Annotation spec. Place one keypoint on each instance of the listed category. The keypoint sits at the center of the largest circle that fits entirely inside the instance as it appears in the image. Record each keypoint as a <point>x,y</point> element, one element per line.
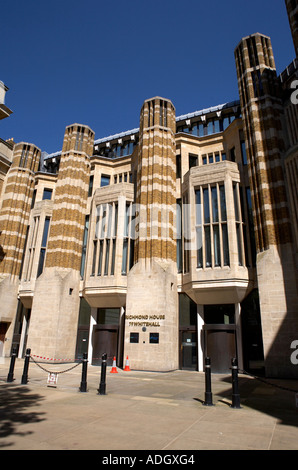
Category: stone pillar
<point>152,300</point>
<point>14,220</point>
<point>277,277</point>
<point>55,308</point>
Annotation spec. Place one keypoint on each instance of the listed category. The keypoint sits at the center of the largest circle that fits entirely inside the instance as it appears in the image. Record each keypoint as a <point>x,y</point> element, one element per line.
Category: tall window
<point>43,246</point>
<point>85,237</point>
<point>243,152</point>
<point>105,180</point>
<point>179,236</point>
<point>211,227</point>
<point>31,248</point>
<point>47,194</point>
<point>104,242</point>
<point>79,139</point>
<point>128,239</point>
<point>239,223</point>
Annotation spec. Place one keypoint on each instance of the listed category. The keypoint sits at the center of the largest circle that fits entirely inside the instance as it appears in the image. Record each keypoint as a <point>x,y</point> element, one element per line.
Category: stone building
<point>167,243</point>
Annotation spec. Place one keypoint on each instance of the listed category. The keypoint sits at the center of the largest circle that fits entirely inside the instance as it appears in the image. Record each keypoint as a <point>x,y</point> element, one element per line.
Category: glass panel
<point>124,256</point>
<point>235,191</point>
<point>225,242</point>
<point>199,247</point>
<point>108,316</point>
<point>105,180</point>
<point>198,208</point>
<point>214,204</point>
<point>239,244</point>
<point>219,314</point>
<point>41,261</point>
<point>216,242</point>
<point>207,246</point>
<point>223,203</point>
<point>107,257</point>
<point>206,206</point>
<point>45,232</point>
<point>100,258</point>
<point>113,257</point>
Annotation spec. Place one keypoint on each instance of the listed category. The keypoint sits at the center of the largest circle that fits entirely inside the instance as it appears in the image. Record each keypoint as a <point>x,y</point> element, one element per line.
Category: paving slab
<point>147,411</point>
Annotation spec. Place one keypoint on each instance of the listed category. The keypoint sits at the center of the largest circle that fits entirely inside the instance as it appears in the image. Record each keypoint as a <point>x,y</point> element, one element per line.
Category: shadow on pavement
<point>15,404</point>
<point>273,397</point>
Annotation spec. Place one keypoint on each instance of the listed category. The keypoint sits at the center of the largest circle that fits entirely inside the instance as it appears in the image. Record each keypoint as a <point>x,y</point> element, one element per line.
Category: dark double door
<point>188,349</point>
<point>105,341</point>
<point>220,346</point>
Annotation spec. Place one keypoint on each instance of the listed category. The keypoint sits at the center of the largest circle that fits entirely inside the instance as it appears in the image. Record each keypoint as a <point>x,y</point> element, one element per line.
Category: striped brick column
<point>277,278</point>
<point>292,9</point>
<point>156,175</point>
<point>151,317</point>
<point>71,193</point>
<point>16,206</point>
<point>55,308</point>
<point>261,111</point>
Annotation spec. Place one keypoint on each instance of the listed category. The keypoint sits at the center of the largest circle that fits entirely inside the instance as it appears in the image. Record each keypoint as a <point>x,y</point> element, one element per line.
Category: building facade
<point>167,243</point>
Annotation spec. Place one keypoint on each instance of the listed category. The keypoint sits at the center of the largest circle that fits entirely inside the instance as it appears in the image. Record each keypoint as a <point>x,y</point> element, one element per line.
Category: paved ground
<point>143,411</point>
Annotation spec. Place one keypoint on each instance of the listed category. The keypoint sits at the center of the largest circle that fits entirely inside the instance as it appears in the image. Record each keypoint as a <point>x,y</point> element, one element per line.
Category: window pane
<point>214,204</point>
<point>207,246</point>
<point>105,180</point>
<point>45,232</point>
<point>107,257</point>
<point>223,203</point>
<point>41,261</point>
<point>94,257</point>
<point>124,256</point>
<point>239,244</point>
<point>243,151</point>
<point>216,243</point>
<point>199,248</point>
<point>235,191</point>
<point>225,243</point>
<point>47,194</point>
<point>100,257</point>
<point>206,206</point>
<point>198,208</point>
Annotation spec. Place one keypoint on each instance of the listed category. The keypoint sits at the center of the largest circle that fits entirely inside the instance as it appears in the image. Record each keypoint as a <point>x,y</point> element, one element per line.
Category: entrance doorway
<point>220,346</point>
<point>105,340</point>
<point>105,337</point>
<point>220,336</point>
<point>188,349</point>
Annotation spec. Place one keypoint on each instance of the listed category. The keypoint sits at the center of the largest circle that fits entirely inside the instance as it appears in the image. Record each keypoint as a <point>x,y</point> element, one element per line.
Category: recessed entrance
<point>105,337</point>
<point>105,340</point>
<point>188,349</point>
<point>220,346</point>
<point>220,336</point>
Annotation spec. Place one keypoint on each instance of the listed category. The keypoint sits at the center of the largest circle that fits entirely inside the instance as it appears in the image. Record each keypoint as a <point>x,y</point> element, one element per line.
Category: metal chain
<point>266,382</point>
<point>51,372</point>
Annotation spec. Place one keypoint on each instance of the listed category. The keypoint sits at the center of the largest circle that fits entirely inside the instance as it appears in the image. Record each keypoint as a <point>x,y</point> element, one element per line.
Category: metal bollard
<point>83,386</point>
<point>11,367</point>
<point>26,367</point>
<point>208,393</point>
<point>102,385</point>
<point>235,393</point>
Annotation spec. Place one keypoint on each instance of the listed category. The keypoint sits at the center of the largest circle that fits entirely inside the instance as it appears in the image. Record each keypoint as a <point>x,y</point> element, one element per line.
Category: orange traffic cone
<point>127,368</point>
<point>114,368</point>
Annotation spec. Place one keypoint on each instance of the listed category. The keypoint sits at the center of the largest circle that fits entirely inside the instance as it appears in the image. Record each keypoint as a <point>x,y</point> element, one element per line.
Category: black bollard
<point>235,393</point>
<point>102,385</point>
<point>83,386</point>
<point>26,367</point>
<point>11,367</point>
<point>208,393</point>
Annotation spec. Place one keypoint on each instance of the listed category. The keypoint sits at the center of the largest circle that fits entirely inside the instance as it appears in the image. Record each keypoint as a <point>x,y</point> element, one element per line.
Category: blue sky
<point>95,62</point>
